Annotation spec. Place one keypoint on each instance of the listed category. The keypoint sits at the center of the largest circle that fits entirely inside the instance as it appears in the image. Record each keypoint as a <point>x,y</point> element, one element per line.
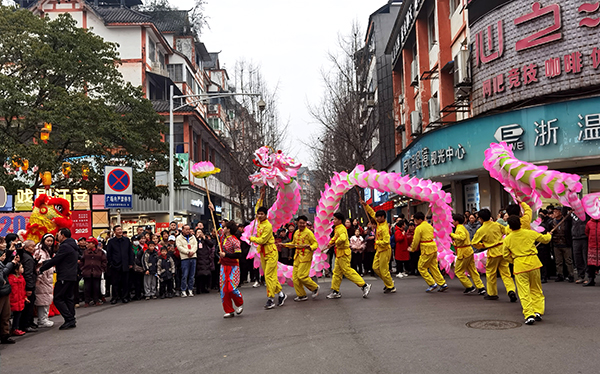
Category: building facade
<point>158,50</point>
<point>523,72</point>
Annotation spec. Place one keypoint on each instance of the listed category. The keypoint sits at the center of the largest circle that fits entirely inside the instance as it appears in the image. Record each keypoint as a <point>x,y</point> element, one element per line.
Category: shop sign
<point>24,198</point>
<point>425,158</point>
<point>471,197</point>
<point>198,203</point>
<point>559,131</point>
<point>413,8</point>
<point>544,49</point>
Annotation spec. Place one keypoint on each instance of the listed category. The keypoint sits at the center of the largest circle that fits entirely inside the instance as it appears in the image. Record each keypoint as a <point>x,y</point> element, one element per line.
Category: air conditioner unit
<point>415,123</point>
<point>462,92</point>
<point>462,71</point>
<point>434,110</point>
<point>414,73</point>
<point>213,108</point>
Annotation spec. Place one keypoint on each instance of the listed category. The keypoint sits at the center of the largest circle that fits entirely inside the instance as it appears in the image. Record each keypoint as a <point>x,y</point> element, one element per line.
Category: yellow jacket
<point>519,248</point>
<point>525,220</point>
<point>264,237</point>
<point>382,234</point>
<point>462,242</point>
<point>489,236</point>
<point>302,238</point>
<point>340,239</point>
<point>424,239</point>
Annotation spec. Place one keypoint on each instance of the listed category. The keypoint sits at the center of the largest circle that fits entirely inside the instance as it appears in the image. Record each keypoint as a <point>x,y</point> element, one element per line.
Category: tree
<point>197,16</point>
<point>252,127</point>
<point>55,72</point>
<point>344,139</point>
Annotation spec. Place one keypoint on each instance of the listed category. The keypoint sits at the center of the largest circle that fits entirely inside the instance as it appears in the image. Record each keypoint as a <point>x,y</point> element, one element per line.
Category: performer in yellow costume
<point>341,266</point>
<point>423,238</point>
<point>489,236</point>
<point>383,250</point>
<point>519,248</point>
<point>305,243</point>
<point>465,261</point>
<point>515,209</point>
<point>269,256</point>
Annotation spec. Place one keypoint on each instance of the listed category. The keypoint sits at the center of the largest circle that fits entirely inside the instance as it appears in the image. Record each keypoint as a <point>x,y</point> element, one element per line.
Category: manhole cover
<point>493,325</point>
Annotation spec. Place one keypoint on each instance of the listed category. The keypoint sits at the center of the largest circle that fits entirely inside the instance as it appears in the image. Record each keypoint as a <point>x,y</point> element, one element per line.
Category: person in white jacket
<point>357,245</point>
<point>188,246</point>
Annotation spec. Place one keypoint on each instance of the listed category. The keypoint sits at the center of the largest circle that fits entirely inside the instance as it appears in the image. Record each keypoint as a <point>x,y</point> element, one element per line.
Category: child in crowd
<point>18,298</point>
<point>166,270</point>
<point>519,249</point>
<point>150,264</point>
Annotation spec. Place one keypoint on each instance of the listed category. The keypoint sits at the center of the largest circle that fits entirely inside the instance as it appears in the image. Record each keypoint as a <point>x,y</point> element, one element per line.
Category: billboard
<point>527,49</point>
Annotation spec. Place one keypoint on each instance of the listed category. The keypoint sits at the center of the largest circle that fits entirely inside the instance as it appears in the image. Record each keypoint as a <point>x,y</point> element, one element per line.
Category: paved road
<point>406,332</point>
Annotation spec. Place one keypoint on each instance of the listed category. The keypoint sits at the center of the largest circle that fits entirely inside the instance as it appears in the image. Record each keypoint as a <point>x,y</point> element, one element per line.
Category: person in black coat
<point>65,262</point>
<point>119,254</point>
<point>204,262</point>
<point>30,275</point>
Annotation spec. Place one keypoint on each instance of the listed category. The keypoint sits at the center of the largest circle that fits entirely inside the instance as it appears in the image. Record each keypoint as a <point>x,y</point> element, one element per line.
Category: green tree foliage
<point>53,71</point>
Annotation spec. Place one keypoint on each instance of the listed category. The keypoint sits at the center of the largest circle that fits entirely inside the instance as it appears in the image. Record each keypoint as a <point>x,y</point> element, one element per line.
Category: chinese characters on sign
<point>425,158</point>
<point>24,198</point>
<point>590,128</point>
<point>546,26</point>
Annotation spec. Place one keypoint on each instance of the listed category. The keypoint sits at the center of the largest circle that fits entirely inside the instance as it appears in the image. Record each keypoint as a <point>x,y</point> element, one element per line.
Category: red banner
<point>82,224</point>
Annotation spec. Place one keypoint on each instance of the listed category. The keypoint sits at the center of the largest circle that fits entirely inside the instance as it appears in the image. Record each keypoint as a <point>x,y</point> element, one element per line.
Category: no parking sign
<point>118,188</point>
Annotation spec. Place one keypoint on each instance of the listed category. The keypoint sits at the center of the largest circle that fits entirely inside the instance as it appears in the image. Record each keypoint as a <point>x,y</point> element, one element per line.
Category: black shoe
<point>34,325</point>
<point>559,278</point>
<point>530,320</point>
<point>125,301</point>
<point>31,329</point>
<point>538,317</point>
<point>571,279</point>
<point>68,325</point>
<point>7,340</point>
<point>281,300</point>
<point>162,296</point>
<point>270,304</point>
<point>512,296</point>
<point>591,283</point>
<point>490,297</point>
<point>481,291</point>
<point>469,290</point>
<point>113,301</point>
<point>170,296</point>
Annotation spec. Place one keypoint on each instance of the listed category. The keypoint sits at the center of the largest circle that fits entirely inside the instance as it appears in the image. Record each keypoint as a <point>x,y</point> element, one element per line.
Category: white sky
<point>290,41</point>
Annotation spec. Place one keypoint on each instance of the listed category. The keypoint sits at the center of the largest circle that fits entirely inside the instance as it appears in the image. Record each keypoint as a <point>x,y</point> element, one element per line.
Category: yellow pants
<point>301,278</point>
<point>269,265</point>
<point>492,266</point>
<point>532,298</point>
<point>381,266</point>
<point>342,268</point>
<point>467,264</point>
<point>429,264</point>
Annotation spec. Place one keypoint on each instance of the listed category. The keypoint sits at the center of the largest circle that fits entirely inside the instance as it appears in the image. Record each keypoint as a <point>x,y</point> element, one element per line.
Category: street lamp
<point>200,97</point>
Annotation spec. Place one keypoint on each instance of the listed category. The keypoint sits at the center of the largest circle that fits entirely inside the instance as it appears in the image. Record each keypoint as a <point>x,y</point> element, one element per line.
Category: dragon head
<point>49,215</point>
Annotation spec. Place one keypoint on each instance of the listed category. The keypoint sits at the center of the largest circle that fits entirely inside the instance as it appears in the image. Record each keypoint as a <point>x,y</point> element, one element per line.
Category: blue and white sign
<point>312,210</point>
<point>551,132</point>
<point>118,187</point>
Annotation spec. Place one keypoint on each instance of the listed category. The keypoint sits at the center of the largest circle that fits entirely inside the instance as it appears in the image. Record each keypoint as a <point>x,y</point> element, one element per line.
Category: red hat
<point>91,239</point>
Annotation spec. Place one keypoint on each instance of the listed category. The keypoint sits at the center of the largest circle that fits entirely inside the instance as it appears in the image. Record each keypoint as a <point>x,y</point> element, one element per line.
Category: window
<point>454,6</point>
<point>178,135</point>
<point>175,72</point>
<point>431,28</point>
<point>195,150</point>
<point>151,50</point>
<point>161,59</point>
<point>189,79</point>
